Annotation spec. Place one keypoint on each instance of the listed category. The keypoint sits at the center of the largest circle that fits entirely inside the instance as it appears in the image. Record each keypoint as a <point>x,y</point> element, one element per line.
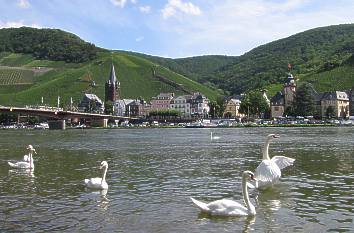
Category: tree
<point>330,112</point>
<point>108,107</point>
<point>216,108</point>
<point>304,102</point>
<point>254,104</point>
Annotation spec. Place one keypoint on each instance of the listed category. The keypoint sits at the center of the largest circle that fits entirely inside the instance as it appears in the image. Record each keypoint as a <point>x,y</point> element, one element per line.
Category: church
<point>112,87</point>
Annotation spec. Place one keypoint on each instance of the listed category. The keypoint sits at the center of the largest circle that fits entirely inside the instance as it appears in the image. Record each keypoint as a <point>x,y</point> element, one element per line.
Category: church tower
<point>112,87</point>
<point>289,91</point>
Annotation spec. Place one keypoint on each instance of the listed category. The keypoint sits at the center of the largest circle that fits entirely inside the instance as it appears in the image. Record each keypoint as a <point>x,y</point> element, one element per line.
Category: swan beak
<point>252,177</point>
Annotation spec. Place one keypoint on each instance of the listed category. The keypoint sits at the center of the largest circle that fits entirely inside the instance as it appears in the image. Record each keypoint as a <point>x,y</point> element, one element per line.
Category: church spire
<point>112,87</point>
<point>112,76</point>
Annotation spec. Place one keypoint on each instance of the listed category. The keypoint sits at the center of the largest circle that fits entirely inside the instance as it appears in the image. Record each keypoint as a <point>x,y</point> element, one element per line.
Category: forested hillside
<point>50,62</point>
<point>310,53</point>
<point>51,44</point>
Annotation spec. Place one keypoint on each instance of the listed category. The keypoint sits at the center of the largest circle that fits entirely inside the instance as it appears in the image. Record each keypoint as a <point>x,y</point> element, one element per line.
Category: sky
<point>178,28</point>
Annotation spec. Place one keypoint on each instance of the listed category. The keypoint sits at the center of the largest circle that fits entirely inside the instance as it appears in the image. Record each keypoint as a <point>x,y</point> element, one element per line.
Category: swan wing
<point>283,161</point>
<point>227,207</point>
<point>93,182</point>
<point>21,164</point>
<point>267,171</point>
<point>26,158</point>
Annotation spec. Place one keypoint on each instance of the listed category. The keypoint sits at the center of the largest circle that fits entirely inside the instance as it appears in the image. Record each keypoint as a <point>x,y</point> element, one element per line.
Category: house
<point>232,108</point>
<point>137,108</point>
<point>162,101</point>
<point>91,103</point>
<point>182,104</point>
<point>120,106</point>
<point>199,105</point>
<point>335,102</point>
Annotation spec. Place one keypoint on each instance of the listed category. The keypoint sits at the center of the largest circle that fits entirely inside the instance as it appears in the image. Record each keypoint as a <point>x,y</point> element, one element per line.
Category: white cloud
<point>175,6</point>
<point>17,24</point>
<point>145,9</point>
<point>139,39</point>
<point>235,26</point>
<point>23,4</point>
<point>120,3</point>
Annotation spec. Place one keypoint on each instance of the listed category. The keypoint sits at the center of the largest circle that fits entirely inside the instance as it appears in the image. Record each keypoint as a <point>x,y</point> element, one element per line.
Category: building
<point>283,99</point>
<point>182,104</point>
<point>336,103</point>
<point>232,108</point>
<point>162,101</point>
<point>91,103</point>
<point>112,87</point>
<point>137,108</point>
<point>120,106</point>
<point>329,104</point>
<point>199,105</point>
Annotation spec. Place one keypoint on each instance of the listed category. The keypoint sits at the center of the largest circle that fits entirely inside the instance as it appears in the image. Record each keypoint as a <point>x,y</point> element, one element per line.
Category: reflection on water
<point>153,172</point>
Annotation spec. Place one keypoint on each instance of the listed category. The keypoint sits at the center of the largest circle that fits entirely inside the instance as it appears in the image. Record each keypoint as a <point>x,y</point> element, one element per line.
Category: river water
<point>153,173</point>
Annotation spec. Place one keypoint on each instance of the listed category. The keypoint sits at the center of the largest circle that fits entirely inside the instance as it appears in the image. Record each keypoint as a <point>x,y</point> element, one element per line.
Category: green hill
<point>311,53</point>
<point>33,65</point>
<point>52,44</point>
<point>50,79</point>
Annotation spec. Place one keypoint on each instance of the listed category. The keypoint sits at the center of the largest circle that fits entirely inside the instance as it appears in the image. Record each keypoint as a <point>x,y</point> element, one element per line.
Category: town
<point>196,110</point>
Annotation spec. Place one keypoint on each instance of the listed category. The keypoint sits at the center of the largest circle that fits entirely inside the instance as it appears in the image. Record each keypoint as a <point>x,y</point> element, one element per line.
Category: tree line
<point>50,44</point>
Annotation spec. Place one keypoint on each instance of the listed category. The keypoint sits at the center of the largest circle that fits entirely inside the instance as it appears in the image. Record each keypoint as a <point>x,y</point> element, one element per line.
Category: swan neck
<point>104,174</point>
<point>246,198</point>
<point>30,160</point>
<point>265,150</point>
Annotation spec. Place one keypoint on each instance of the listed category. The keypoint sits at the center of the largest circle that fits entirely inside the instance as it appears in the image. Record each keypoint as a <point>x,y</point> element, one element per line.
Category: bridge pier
<point>99,123</point>
<point>56,124</point>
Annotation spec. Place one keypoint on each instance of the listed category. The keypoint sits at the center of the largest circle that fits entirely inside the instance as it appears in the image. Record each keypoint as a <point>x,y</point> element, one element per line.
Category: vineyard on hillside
<point>10,76</point>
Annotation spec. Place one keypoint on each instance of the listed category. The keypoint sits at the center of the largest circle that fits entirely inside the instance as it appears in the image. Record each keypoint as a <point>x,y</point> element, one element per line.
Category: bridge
<point>57,116</point>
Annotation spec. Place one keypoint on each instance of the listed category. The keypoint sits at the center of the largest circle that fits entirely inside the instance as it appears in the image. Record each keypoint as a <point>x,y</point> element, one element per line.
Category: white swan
<point>213,137</point>
<point>268,171</point>
<point>98,183</point>
<point>226,207</point>
<point>28,160</point>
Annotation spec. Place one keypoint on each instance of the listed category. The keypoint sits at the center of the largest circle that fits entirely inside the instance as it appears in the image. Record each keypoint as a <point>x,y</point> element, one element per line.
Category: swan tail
<point>201,205</point>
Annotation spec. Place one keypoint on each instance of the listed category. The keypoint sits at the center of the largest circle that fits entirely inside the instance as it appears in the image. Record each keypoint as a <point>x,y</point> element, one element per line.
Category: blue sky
<point>178,28</point>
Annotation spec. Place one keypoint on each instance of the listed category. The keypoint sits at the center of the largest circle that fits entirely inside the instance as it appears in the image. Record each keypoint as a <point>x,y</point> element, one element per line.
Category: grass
<point>340,78</point>
<point>10,76</point>
<point>73,80</point>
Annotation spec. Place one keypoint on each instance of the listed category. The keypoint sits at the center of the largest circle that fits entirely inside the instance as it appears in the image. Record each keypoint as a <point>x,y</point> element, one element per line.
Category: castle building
<point>283,99</point>
<point>112,87</point>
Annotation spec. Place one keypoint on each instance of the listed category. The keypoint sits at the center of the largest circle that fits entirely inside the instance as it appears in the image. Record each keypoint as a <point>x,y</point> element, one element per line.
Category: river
<point>153,173</point>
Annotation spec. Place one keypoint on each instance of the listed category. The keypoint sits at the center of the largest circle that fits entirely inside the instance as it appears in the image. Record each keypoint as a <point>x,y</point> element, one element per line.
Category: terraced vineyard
<point>12,76</point>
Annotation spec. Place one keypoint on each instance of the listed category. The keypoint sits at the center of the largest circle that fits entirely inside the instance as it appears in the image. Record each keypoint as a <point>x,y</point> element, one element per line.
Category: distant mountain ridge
<point>322,56</point>
<point>310,53</point>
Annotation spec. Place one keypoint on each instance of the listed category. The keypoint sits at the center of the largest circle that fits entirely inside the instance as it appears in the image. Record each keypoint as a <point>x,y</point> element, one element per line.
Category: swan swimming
<point>98,183</point>
<point>226,207</point>
<point>213,137</point>
<point>26,164</point>
<point>268,171</point>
